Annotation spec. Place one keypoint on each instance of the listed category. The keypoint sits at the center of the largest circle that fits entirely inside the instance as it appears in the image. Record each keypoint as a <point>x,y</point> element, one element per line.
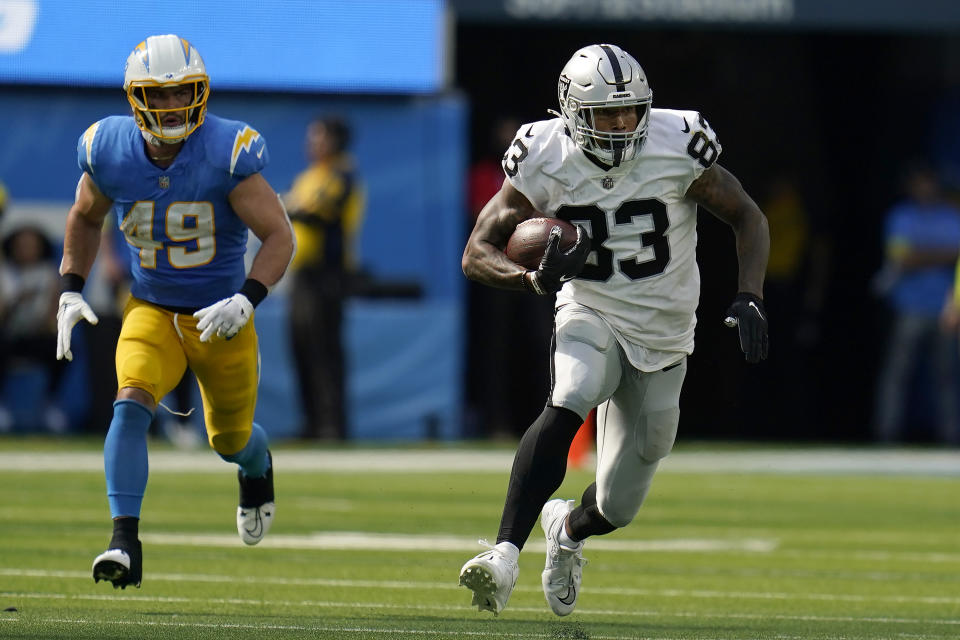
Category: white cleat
<point>257,508</point>
<point>254,522</point>
<point>491,576</point>
<point>564,567</point>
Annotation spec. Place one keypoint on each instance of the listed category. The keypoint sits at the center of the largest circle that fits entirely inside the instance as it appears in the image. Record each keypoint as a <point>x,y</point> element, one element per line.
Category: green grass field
<point>375,553</point>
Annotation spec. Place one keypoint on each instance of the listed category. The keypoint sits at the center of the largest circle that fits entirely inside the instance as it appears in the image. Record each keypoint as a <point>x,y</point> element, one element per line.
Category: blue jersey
<point>934,227</point>
<point>185,240</point>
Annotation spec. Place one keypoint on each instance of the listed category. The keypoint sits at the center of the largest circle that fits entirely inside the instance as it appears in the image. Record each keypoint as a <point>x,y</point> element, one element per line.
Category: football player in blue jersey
<point>186,187</point>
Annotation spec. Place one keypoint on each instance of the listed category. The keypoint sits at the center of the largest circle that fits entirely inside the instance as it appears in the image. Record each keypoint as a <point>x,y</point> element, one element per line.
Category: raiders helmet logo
<point>563,89</point>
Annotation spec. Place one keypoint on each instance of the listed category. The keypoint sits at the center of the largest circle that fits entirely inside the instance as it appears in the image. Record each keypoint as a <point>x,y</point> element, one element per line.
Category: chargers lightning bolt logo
<point>242,142</point>
<point>88,137</point>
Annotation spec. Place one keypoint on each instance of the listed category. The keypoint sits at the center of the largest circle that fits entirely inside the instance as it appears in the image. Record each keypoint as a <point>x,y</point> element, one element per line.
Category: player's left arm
<point>719,191</point>
<point>721,194</point>
<point>258,205</point>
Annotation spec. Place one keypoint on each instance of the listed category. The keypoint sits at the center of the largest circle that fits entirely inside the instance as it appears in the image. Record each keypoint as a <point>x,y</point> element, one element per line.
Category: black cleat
<point>121,564</point>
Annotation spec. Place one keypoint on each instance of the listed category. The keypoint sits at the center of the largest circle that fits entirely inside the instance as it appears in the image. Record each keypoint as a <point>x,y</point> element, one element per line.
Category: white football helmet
<point>597,77</point>
<point>165,61</point>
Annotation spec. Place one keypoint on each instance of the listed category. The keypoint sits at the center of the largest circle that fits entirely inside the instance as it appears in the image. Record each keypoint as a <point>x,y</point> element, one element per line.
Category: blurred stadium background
<point>827,98</point>
<point>818,104</point>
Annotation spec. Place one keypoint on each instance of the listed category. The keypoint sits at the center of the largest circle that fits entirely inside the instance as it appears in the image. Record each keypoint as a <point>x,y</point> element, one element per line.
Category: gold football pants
<point>156,346</point>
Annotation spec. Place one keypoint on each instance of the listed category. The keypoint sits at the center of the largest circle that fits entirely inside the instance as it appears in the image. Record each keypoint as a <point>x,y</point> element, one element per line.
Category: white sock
<point>564,539</point>
<point>508,549</point>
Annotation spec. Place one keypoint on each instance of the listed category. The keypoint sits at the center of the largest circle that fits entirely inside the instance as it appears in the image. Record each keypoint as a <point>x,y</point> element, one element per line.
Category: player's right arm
<point>483,258</point>
<point>81,240</point>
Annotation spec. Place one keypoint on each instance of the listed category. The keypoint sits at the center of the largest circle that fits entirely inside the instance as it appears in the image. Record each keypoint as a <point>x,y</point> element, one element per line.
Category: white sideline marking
<point>347,540</point>
<point>792,461</point>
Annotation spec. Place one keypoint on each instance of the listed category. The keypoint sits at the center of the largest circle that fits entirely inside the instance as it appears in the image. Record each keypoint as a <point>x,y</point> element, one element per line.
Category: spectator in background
<point>506,330</point>
<point>113,267</point>
<point>486,174</point>
<point>3,199</point>
<point>794,292</point>
<point>325,204</point>
<point>113,261</point>
<point>29,289</point>
<point>922,240</point>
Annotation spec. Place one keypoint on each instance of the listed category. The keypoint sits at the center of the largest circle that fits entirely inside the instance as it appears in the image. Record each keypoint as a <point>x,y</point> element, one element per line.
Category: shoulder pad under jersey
<point>102,141</point>
<point>685,133</point>
<point>234,146</point>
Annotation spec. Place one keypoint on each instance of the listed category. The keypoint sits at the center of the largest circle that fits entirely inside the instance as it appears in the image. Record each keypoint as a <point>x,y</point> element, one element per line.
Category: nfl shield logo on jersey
<point>164,182</point>
<point>606,182</point>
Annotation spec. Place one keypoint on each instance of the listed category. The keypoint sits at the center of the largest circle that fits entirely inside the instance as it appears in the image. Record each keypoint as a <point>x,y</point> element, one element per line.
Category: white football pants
<point>637,413</point>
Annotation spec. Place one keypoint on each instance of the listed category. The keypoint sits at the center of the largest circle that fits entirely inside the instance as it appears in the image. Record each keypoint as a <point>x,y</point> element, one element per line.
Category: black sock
<point>585,520</point>
<point>125,530</point>
<point>538,470</point>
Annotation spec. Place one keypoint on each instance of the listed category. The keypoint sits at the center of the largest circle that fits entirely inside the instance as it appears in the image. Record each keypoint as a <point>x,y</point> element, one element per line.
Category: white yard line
<point>794,461</point>
<point>459,633</point>
<point>362,540</point>
<point>319,629</point>
<point>585,612</point>
<point>682,594</point>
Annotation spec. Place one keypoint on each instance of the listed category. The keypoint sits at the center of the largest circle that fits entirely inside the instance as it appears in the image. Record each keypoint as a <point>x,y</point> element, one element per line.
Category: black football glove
<point>748,315</point>
<point>556,266</point>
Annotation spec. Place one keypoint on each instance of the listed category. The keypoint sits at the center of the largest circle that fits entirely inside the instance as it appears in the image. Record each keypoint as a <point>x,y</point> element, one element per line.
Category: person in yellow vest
<point>326,205</point>
<point>3,199</point>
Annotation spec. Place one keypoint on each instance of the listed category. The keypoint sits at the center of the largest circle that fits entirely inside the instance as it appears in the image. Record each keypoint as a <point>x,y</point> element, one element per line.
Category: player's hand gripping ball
<point>529,240</point>
<point>545,238</point>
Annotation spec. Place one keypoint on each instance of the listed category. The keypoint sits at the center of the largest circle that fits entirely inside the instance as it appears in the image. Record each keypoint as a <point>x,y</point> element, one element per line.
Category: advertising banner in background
<point>362,46</point>
<point>887,15</point>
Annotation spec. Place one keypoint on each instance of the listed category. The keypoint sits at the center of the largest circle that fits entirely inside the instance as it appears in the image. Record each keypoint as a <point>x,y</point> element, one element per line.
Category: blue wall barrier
<point>404,367</point>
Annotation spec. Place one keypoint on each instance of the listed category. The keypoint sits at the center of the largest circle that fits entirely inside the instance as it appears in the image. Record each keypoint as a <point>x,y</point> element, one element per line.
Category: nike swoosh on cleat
<point>570,598</point>
<point>257,530</point>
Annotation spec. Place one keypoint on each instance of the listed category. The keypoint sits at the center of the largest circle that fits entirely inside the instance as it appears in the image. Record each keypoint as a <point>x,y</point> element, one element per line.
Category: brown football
<point>529,240</point>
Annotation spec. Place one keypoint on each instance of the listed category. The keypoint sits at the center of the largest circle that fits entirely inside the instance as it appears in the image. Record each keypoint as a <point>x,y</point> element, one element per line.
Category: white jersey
<point>641,276</point>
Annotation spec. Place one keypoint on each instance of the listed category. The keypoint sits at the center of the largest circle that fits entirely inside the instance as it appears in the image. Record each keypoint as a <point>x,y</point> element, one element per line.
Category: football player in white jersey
<point>631,178</point>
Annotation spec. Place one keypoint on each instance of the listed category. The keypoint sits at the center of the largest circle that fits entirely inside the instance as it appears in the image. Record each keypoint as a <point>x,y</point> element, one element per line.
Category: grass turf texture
<point>711,556</point>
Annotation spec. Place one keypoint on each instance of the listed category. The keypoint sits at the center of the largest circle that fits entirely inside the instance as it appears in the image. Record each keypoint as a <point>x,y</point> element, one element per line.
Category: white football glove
<point>72,308</point>
<point>224,318</point>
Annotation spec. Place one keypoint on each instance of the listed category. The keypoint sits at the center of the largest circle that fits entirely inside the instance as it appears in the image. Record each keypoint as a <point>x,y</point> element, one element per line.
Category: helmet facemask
<point>613,147</point>
<point>604,77</point>
<point>150,117</point>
